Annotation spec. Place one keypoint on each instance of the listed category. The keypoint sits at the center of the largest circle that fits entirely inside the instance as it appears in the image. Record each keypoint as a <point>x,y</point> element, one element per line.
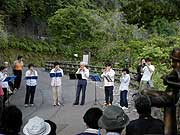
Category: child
<point>124,87</point>
<point>31,82</point>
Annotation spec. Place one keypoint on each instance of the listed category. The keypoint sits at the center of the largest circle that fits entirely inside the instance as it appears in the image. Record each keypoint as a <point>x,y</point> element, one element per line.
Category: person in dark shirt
<point>139,74</point>
<point>91,118</point>
<point>10,121</point>
<point>145,124</point>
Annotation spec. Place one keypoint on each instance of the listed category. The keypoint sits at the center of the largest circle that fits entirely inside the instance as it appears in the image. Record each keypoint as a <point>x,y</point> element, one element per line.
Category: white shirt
<point>31,82</point>
<point>147,73</point>
<point>2,78</point>
<point>56,81</point>
<point>112,133</point>
<point>124,82</point>
<point>109,74</point>
<point>84,73</point>
<point>91,130</point>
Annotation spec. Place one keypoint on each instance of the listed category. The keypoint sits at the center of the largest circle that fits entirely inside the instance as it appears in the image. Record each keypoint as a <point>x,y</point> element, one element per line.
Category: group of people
<point>11,86</point>
<point>113,120</point>
<point>116,122</point>
<point>144,74</point>
<point>144,77</point>
<point>11,122</point>
<point>6,85</point>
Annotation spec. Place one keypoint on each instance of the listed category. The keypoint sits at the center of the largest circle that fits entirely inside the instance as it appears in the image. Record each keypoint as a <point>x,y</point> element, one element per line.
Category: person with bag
<point>146,80</point>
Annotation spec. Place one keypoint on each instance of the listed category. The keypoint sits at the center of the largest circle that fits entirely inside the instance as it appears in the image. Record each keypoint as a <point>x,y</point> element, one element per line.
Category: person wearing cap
<point>37,126</point>
<point>31,77</point>
<point>56,74</point>
<point>82,83</point>
<point>124,87</point>
<point>113,120</point>
<point>17,70</point>
<point>145,124</point>
<point>146,80</point>
<point>108,75</point>
<point>91,118</point>
<point>11,121</point>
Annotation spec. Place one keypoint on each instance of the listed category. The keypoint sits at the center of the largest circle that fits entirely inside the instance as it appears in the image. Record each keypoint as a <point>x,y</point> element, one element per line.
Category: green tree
<point>71,25</point>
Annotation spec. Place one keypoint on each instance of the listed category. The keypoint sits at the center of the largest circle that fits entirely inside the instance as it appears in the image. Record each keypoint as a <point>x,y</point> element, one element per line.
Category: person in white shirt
<point>31,82</point>
<point>4,84</point>
<point>108,75</point>
<point>124,87</point>
<point>146,80</point>
<point>56,74</point>
<point>82,83</point>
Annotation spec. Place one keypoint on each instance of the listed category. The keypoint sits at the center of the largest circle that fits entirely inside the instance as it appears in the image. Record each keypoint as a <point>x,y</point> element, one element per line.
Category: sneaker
<point>109,104</point>
<point>31,105</point>
<point>15,90</point>
<point>124,108</point>
<point>75,103</point>
<point>25,105</point>
<point>105,104</point>
<point>58,104</point>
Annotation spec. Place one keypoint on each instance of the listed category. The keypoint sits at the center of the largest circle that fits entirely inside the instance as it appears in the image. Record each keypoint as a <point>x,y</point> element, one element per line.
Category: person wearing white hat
<point>36,126</point>
<point>82,83</point>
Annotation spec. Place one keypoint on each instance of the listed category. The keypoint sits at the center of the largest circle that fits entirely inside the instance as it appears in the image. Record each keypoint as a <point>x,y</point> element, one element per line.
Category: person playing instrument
<point>82,83</point>
<point>31,82</point>
<point>108,75</point>
<point>56,75</point>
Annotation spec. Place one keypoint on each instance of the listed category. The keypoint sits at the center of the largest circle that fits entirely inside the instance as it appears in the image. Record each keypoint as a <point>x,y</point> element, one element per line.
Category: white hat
<point>36,126</point>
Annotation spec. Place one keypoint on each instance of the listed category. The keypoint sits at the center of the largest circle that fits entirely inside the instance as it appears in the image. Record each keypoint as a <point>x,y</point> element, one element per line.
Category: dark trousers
<point>30,91</point>
<point>109,94</point>
<point>1,105</point>
<point>5,97</point>
<point>81,86</point>
<point>123,98</point>
<point>17,81</point>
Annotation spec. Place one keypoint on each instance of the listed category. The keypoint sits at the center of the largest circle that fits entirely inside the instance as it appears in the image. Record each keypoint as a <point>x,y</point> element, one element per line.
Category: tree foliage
<point>143,12</point>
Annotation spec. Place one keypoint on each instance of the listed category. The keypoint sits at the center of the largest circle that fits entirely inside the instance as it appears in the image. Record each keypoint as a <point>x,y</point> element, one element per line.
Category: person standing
<point>124,87</point>
<point>31,82</point>
<point>108,75</point>
<point>17,70</point>
<point>56,75</point>
<point>140,70</point>
<point>82,83</point>
<point>4,84</point>
<point>146,80</point>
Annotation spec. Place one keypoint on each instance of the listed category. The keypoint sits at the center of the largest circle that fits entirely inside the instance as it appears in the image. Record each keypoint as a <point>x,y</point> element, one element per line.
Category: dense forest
<point>121,31</point>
